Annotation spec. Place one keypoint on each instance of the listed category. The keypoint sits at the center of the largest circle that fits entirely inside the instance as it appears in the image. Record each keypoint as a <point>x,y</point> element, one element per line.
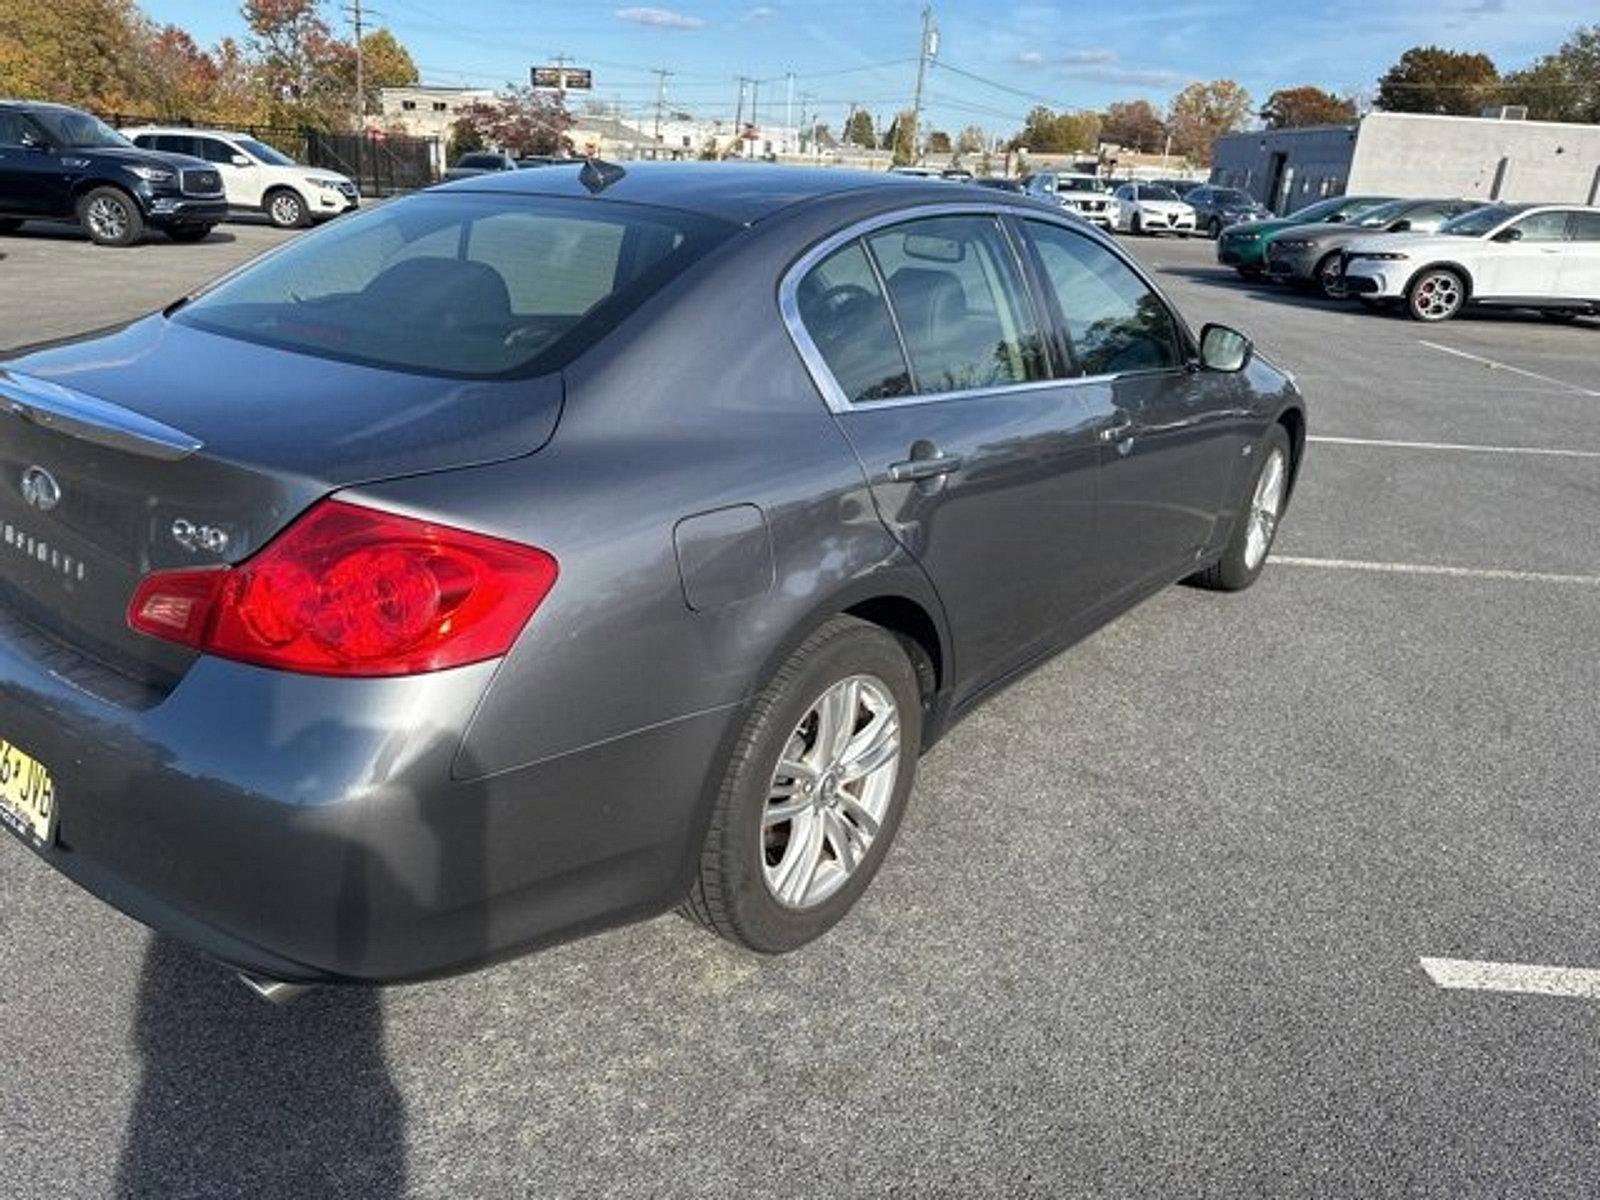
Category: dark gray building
<point>1412,154</point>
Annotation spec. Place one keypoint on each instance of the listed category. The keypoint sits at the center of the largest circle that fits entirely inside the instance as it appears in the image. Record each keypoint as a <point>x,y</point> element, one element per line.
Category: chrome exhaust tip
<point>273,991</point>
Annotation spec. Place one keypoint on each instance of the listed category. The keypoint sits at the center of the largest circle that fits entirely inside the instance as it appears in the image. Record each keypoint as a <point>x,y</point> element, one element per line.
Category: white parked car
<point>1537,256</point>
<point>1153,208</point>
<point>1086,196</point>
<point>257,177</point>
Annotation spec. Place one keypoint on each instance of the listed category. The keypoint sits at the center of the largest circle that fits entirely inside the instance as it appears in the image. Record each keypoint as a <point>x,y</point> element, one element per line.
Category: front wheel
<point>813,792</point>
<point>1436,294</point>
<point>110,217</point>
<point>1257,523</point>
<point>1251,273</point>
<point>1330,277</point>
<point>1214,229</point>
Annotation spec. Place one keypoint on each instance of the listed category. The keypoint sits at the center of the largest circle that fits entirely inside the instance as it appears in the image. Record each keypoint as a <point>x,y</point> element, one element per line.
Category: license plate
<point>27,796</point>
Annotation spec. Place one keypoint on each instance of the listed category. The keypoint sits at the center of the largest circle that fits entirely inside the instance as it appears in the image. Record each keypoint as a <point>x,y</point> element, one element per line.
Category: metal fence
<point>379,164</point>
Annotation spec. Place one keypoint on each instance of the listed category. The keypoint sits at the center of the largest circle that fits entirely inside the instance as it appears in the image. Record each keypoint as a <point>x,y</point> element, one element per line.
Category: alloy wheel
<point>830,792</point>
<point>107,219</point>
<point>1266,506</point>
<point>1330,278</point>
<point>1437,296</point>
<point>285,210</point>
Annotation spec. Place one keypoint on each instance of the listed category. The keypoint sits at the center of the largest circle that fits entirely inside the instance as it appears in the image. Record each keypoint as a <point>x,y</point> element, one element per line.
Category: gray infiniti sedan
<point>553,549</point>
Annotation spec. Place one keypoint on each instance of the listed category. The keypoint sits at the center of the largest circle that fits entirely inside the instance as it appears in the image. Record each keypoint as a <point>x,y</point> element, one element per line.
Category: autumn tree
<point>521,121</point>
<point>1564,86</point>
<point>1135,124</point>
<point>1202,113</point>
<point>1293,108</point>
<point>71,51</point>
<point>385,62</point>
<point>300,62</point>
<point>858,130</point>
<point>939,142</point>
<point>1428,79</point>
<point>971,141</point>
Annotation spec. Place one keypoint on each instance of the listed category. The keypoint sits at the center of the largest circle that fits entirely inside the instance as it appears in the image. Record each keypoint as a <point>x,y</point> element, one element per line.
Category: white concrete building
<point>1414,154</point>
<point>425,111</point>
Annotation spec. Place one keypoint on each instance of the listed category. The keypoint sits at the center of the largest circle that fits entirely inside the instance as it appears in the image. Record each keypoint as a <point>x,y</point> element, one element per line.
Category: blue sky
<point>1068,54</point>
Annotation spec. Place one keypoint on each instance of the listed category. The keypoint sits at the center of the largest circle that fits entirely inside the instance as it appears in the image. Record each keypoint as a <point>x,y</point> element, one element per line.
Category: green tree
<point>1135,124</point>
<point>1048,132</point>
<point>1292,108</point>
<point>858,130</point>
<point>1564,86</point>
<point>385,62</point>
<point>898,139</point>
<point>1202,113</point>
<point>464,139</point>
<point>1428,79</point>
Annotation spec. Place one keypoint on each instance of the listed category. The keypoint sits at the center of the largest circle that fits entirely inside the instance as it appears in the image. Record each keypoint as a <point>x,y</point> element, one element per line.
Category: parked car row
<point>1435,257</point>
<point>59,163</point>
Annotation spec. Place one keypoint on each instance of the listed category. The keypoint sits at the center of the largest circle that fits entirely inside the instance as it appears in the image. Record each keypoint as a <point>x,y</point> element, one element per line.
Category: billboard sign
<point>565,79</point>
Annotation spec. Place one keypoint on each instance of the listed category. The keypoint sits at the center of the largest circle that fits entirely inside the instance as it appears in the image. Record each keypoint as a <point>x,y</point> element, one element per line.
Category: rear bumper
<point>318,830</point>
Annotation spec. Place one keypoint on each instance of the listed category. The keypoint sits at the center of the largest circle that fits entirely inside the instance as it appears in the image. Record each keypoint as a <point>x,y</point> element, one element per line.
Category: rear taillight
<point>348,590</point>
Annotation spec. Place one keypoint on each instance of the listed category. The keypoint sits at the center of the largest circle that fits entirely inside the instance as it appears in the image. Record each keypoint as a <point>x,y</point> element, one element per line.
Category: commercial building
<point>424,111</point>
<point>1413,154</point>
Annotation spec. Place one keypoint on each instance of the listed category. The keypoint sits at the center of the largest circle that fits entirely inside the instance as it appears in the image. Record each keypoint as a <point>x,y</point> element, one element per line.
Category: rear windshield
<point>458,284</point>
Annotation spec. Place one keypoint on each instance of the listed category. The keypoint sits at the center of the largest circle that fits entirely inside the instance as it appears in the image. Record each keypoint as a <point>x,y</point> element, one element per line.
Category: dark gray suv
<point>548,550</point>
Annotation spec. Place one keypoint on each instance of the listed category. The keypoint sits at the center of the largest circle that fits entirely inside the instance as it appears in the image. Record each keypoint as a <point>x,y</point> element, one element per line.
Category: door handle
<point>913,469</point>
<point>1116,433</point>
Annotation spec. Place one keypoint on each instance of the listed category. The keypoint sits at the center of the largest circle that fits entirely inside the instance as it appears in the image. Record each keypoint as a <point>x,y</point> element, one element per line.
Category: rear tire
<point>284,208</point>
<point>776,870</point>
<point>1436,294</point>
<point>189,233</point>
<point>1256,525</point>
<point>110,217</point>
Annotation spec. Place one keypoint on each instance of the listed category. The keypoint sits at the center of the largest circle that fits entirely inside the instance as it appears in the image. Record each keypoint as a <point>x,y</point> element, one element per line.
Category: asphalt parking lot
<point>1155,925</point>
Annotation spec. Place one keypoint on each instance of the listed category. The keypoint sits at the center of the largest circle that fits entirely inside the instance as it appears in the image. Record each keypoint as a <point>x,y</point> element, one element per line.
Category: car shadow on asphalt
<point>243,1098</point>
<point>69,231</point>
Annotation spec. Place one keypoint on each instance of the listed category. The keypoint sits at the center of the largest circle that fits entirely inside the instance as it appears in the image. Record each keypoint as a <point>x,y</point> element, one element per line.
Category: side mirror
<point>1224,349</point>
<point>1509,235</point>
<point>1400,226</point>
<point>240,160</point>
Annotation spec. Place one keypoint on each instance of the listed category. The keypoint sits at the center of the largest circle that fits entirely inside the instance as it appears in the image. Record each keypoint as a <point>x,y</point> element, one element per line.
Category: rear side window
<point>458,284</point>
<point>843,310</point>
<point>961,305</point>
<point>1585,227</point>
<point>1113,320</point>
<point>1543,227</point>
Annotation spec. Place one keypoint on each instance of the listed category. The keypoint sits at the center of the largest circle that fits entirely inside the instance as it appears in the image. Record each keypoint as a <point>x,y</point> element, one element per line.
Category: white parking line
<point>1550,451</point>
<point>1472,975</point>
<point>1397,568</point>
<point>1500,366</point>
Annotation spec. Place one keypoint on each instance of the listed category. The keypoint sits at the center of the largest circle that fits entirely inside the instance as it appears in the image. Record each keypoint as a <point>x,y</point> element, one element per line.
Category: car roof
<point>6,102</point>
<point>181,129</point>
<point>740,192</point>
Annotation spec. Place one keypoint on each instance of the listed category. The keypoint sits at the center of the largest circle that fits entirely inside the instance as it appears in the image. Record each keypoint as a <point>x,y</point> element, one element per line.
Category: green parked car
<point>1244,246</point>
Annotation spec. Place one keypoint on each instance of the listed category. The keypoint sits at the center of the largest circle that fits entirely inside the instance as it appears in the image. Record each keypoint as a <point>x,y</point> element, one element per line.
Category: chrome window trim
<point>817,367</point>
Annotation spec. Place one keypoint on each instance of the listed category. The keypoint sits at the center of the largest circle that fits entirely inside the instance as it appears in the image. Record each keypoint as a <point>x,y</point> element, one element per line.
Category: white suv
<point>255,176</point>
<point>1085,196</point>
<point>1539,256</point>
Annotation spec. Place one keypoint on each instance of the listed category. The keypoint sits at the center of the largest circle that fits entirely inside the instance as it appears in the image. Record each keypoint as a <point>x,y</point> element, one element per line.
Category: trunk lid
<point>160,445</point>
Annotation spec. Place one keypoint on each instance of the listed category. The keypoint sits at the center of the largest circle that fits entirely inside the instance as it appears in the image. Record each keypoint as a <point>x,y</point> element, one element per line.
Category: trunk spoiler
<point>90,419</point>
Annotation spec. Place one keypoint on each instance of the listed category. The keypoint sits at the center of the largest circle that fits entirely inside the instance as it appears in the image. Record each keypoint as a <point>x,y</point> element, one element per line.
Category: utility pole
<point>930,46</point>
<point>788,110</point>
<point>738,118</point>
<point>661,74</point>
<point>755,121</point>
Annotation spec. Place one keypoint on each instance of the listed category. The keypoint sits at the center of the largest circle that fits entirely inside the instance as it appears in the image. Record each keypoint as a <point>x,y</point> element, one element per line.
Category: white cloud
<point>1030,58</point>
<point>660,18</point>
<point>1088,57</point>
<point>761,12</point>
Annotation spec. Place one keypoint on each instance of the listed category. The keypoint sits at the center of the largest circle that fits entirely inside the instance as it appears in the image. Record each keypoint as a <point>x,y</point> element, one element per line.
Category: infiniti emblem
<point>40,489</point>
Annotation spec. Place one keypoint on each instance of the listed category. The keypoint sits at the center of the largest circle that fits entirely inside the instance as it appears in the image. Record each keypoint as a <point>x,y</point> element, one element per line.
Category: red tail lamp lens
<point>348,590</point>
